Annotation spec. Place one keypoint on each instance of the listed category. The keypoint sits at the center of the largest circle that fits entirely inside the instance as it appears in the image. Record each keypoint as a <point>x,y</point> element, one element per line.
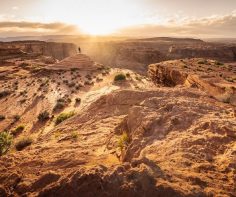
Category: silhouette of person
<point>79,50</point>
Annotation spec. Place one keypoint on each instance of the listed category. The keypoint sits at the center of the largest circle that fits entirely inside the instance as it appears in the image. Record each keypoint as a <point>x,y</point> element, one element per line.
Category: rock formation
<point>79,128</point>
<point>136,54</point>
<point>217,79</point>
<point>36,48</point>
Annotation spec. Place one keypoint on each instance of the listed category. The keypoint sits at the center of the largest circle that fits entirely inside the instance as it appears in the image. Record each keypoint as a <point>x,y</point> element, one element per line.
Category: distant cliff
<point>56,50</point>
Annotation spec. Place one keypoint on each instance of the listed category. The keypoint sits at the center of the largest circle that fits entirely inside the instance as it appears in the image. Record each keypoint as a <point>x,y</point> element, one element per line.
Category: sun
<point>98,29</point>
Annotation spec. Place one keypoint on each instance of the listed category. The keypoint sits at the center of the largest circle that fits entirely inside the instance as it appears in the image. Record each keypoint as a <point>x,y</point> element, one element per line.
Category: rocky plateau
<point>80,127</point>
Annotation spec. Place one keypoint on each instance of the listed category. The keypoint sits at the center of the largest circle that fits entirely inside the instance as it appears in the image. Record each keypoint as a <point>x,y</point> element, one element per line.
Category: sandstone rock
<point>191,73</point>
<point>34,48</point>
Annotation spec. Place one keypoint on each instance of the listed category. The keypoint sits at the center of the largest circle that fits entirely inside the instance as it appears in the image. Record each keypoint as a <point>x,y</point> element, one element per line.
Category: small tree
<point>6,140</point>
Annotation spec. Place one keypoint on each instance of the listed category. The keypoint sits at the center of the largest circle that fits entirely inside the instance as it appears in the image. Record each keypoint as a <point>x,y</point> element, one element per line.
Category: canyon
<point>140,117</point>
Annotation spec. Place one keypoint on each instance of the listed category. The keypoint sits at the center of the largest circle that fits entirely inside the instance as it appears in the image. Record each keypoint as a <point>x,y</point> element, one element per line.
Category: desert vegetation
<point>23,143</point>
<point>6,140</point>
<point>19,129</point>
<point>120,77</point>
<point>43,116</point>
<point>123,141</point>
<point>63,116</point>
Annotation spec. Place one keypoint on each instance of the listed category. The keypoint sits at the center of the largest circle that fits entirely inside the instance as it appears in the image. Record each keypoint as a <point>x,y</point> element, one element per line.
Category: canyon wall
<point>138,54</point>
<point>56,50</point>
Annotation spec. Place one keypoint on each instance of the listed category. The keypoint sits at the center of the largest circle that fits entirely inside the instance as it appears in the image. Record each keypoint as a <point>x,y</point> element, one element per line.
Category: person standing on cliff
<point>79,50</point>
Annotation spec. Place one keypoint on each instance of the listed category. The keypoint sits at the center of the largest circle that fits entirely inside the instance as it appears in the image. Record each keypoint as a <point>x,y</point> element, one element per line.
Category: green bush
<point>74,136</point>
<point>18,130</point>
<point>6,140</point>
<point>120,77</point>
<point>22,143</point>
<point>63,116</point>
<point>123,141</point>
<point>43,116</point>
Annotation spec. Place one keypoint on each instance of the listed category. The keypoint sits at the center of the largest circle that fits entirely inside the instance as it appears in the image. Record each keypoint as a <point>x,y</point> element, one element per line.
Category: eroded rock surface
<point>216,78</point>
<point>180,140</point>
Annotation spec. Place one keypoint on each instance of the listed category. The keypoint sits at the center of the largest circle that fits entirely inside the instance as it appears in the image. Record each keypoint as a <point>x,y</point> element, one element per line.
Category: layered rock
<point>56,50</point>
<point>136,54</point>
<point>221,53</point>
<point>217,79</point>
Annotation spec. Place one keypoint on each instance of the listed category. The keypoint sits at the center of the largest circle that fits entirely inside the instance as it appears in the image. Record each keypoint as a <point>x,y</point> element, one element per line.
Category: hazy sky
<point>199,18</point>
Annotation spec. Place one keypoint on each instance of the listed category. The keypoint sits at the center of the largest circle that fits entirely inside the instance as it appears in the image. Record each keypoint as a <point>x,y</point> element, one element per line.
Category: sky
<point>144,18</point>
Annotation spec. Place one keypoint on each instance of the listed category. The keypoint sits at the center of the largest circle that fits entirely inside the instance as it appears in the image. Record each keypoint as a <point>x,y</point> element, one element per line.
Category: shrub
<point>202,62</point>
<point>63,116</point>
<point>22,143</point>
<point>23,101</point>
<point>88,77</point>
<point>18,130</point>
<point>2,117</point>
<point>128,75</point>
<point>72,84</point>
<point>75,136</point>
<point>229,79</point>
<point>78,100</point>
<point>65,81</point>
<point>58,106</point>
<point>43,116</point>
<point>138,78</point>
<point>77,87</point>
<point>88,83</point>
<point>16,118</point>
<point>4,93</point>
<point>120,77</point>
<point>123,141</point>
<point>23,93</point>
<point>61,103</point>
<point>24,64</point>
<point>219,64</point>
<point>6,140</point>
<point>74,69</point>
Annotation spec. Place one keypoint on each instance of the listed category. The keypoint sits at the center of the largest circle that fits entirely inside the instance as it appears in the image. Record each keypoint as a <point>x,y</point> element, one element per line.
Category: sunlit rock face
<point>215,78</point>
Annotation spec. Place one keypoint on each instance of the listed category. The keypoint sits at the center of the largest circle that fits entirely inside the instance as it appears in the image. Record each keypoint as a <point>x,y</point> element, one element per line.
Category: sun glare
<point>104,19</point>
<point>97,29</point>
